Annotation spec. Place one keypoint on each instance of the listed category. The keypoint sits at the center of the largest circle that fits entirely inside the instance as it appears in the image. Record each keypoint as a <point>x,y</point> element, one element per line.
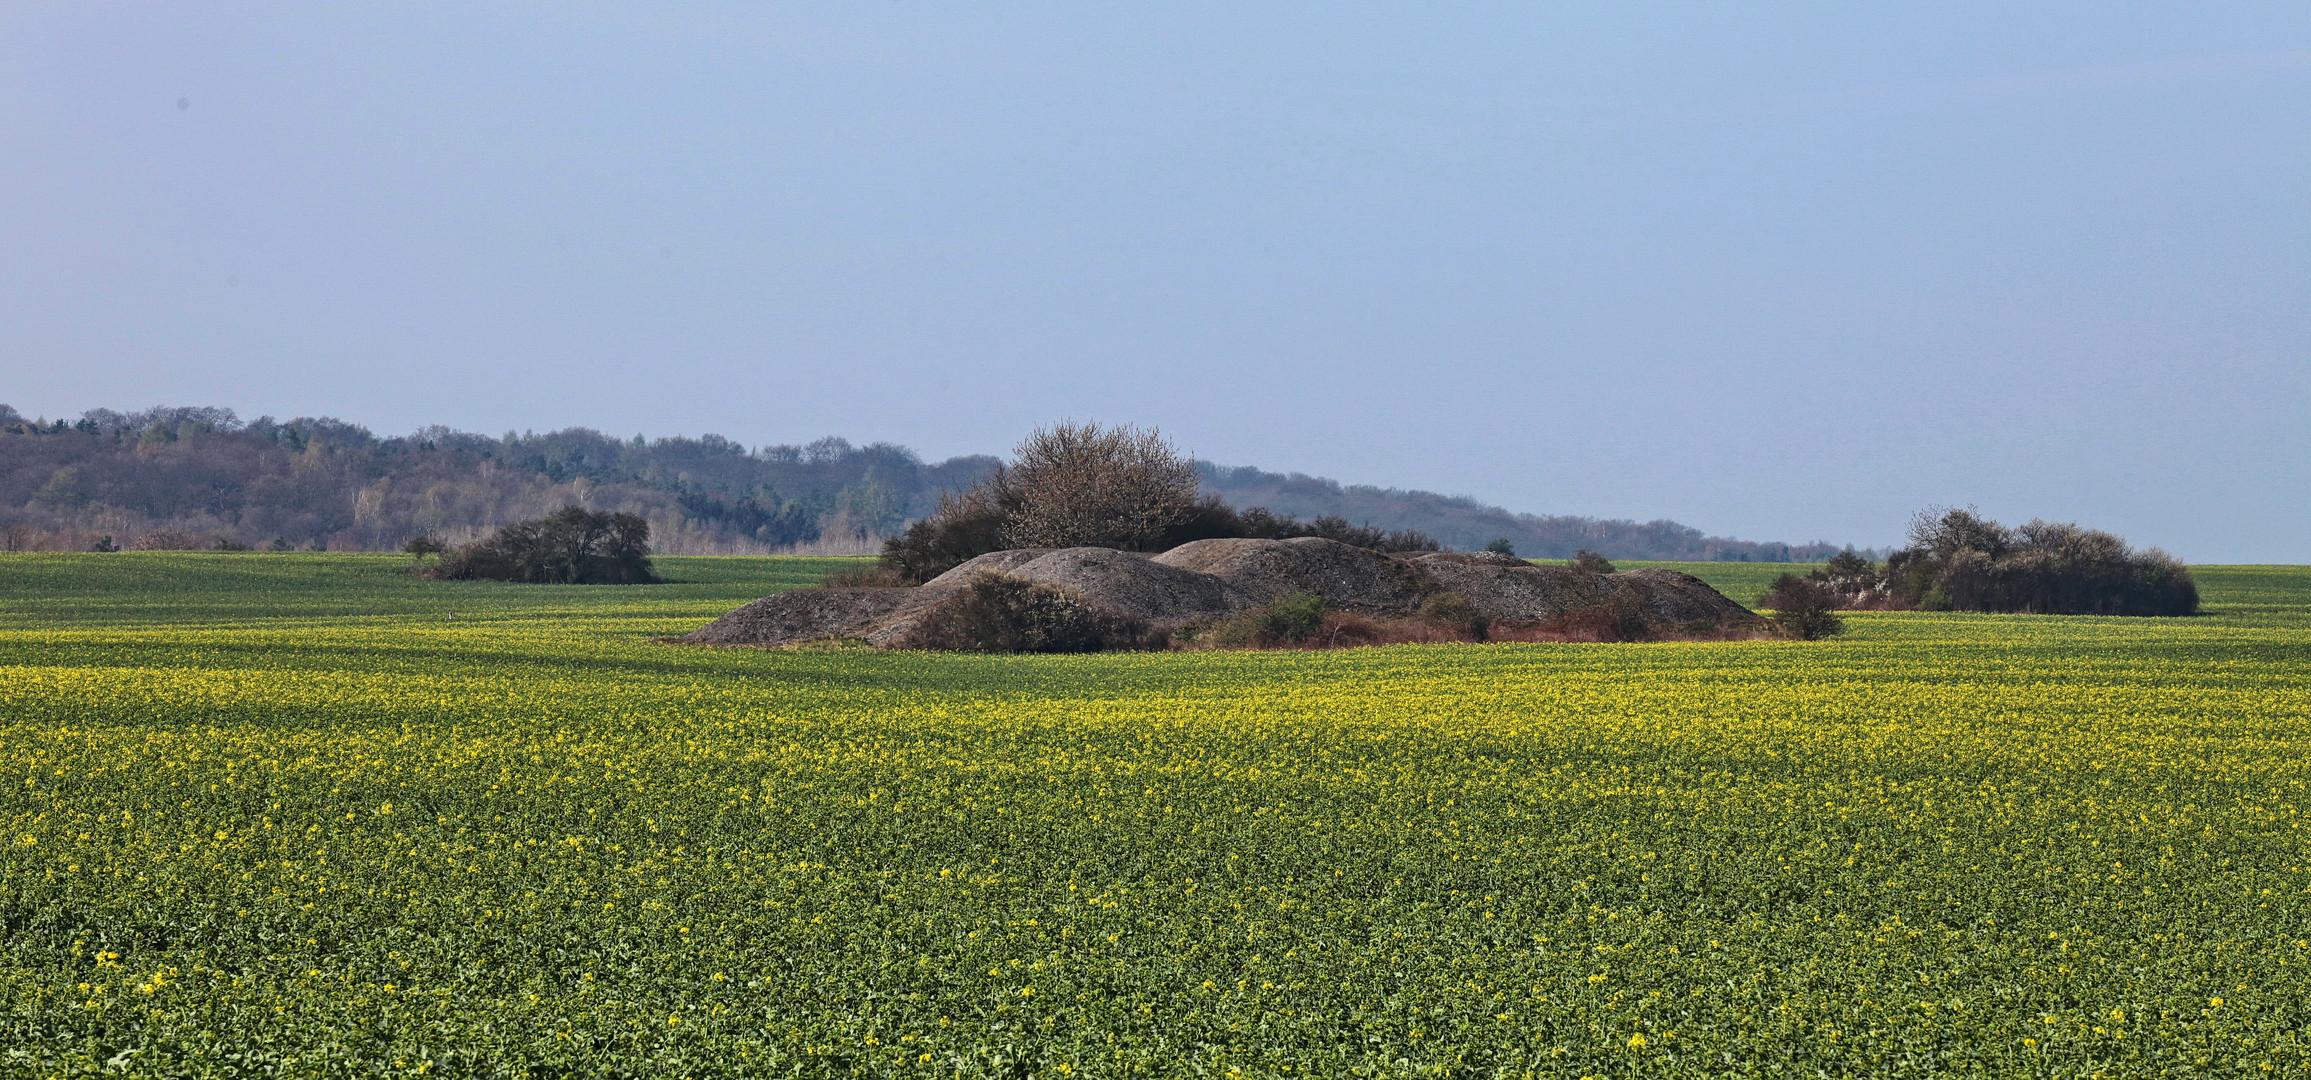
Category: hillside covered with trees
<point>1464,524</point>
<point>322,482</point>
<point>182,476</point>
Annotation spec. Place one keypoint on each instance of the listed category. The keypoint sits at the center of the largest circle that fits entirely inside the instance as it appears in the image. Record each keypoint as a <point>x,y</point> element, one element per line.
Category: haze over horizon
<point>1774,271</point>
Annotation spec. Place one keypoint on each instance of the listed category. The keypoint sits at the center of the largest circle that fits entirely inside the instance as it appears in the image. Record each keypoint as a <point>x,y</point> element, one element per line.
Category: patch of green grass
<point>1741,581</point>
<point>280,813</point>
<point>157,588</point>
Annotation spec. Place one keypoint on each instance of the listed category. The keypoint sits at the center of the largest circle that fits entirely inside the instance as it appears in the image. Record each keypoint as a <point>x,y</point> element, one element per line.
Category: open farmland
<point>286,815</point>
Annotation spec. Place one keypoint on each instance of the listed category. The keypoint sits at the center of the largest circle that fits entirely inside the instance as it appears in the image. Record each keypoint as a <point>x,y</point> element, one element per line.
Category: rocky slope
<point>1211,579</point>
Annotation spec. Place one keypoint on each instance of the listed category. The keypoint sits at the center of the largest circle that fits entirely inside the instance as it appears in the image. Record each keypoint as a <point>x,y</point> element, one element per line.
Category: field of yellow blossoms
<point>301,815</point>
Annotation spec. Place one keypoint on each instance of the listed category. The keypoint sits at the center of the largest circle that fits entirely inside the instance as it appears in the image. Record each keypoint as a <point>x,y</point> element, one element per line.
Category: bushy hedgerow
<point>571,546</point>
<point>1959,560</point>
<point>1260,523</point>
<point>165,539</point>
<point>965,526</point>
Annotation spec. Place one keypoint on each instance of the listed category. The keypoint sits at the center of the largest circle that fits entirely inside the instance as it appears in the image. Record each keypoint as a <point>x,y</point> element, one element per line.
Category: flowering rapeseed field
<point>286,815</point>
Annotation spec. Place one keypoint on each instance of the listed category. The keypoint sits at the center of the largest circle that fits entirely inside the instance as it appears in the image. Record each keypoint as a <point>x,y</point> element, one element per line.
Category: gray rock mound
<point>1266,570</point>
<point>1506,587</point>
<point>1678,598</point>
<point>1121,582</point>
<point>812,615</point>
<point>1215,578</point>
<point>1136,585</point>
<point>1000,562</point>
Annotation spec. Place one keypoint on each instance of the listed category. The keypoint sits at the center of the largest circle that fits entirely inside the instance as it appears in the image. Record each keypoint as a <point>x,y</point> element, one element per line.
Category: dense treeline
<point>1464,524</point>
<point>174,477</point>
<point>200,476</point>
<point>1958,560</point>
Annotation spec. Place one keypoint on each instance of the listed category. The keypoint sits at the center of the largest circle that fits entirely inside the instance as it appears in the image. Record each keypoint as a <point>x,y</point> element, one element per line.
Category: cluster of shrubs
<point>1083,485</point>
<point>1804,607</point>
<point>571,546</point>
<point>1589,562</point>
<point>996,613</point>
<point>1303,621</point>
<point>1000,614</point>
<point>1287,621</point>
<point>171,539</point>
<point>1960,561</point>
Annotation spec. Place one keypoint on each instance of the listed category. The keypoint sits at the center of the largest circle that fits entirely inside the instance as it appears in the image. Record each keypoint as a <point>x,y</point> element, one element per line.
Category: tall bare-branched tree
<point>1084,485</point>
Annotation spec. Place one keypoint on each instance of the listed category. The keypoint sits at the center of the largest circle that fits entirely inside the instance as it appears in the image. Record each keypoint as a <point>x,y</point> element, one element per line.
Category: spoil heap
<point>1211,579</point>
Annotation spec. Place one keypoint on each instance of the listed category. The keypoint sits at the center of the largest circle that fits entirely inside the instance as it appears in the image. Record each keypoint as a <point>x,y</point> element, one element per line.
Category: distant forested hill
<point>176,476</point>
<point>1465,524</point>
<point>309,482</point>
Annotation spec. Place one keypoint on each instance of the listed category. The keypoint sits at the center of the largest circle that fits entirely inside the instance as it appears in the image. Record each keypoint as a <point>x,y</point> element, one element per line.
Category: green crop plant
<point>306,814</point>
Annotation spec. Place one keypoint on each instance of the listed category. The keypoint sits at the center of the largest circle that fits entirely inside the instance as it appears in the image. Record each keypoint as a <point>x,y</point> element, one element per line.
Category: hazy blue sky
<point>1777,271</point>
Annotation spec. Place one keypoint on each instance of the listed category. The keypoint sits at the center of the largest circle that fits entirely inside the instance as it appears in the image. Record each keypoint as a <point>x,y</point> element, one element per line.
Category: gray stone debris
<point>1214,578</point>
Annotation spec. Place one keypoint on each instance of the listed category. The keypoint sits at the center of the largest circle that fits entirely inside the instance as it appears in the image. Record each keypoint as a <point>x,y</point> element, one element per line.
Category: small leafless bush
<point>169,540</point>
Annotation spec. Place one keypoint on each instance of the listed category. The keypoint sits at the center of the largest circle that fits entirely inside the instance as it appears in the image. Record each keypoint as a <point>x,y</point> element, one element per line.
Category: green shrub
<point>1287,621</point>
<point>1453,609</point>
<point>1847,565</point>
<point>997,613</point>
<point>1294,618</point>
<point>1959,560</point>
<point>965,527</point>
<point>571,546</point>
<point>1589,562</point>
<point>1803,608</point>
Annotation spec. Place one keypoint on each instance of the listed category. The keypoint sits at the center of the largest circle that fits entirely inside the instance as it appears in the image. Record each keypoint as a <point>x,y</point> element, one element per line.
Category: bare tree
<point>1083,485</point>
